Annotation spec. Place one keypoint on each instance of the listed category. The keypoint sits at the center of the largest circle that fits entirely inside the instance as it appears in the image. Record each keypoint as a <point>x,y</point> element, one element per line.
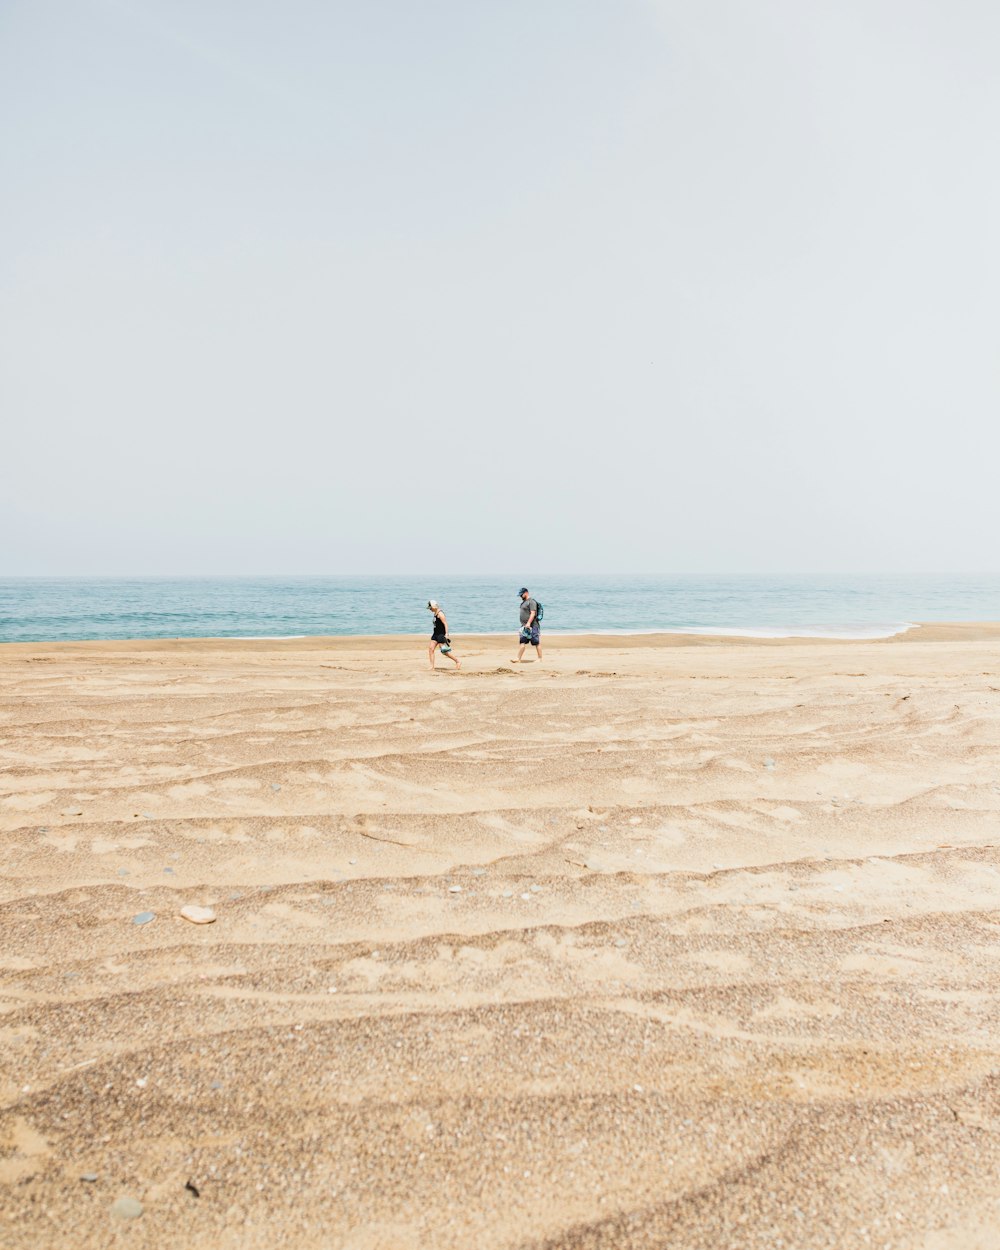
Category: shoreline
<point>958,631</point>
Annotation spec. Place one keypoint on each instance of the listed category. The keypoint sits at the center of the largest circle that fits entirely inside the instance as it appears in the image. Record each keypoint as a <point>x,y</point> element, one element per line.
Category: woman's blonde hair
<point>433,605</point>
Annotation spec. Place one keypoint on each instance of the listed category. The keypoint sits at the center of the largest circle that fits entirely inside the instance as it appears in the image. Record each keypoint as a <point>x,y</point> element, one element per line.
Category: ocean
<point>57,609</point>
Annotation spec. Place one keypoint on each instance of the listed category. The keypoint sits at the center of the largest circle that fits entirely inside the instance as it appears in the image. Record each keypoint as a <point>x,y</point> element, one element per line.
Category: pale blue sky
<point>464,286</point>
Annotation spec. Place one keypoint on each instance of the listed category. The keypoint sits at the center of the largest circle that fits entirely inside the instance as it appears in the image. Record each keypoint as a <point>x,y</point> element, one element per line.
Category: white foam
<point>845,633</point>
<point>856,633</point>
<point>264,637</point>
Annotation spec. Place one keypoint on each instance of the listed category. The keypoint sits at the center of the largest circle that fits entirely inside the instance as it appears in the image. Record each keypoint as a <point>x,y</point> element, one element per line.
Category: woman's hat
<point>433,604</point>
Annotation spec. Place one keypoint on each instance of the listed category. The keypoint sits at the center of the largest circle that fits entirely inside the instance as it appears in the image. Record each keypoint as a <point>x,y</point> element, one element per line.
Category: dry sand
<point>666,943</point>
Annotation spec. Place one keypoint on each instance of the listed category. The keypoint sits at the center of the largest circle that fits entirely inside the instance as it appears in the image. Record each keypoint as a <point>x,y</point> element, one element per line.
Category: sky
<point>466,286</point>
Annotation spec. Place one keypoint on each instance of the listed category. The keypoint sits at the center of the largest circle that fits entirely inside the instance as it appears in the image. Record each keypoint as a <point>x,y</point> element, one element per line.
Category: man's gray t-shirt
<point>527,607</point>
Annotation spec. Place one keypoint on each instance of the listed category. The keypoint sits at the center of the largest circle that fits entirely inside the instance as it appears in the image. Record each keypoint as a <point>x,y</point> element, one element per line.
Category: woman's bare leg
<point>430,652</point>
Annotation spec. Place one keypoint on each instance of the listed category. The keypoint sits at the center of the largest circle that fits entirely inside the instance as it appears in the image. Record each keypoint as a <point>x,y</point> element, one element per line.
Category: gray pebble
<point>170,870</point>
<point>620,942</point>
<point>479,872</point>
<point>275,786</point>
<point>89,1177</point>
<point>235,895</point>
<point>127,1208</point>
<point>536,889</point>
<point>144,917</point>
<point>123,872</point>
<point>768,762</point>
<point>149,815</point>
<point>508,894</point>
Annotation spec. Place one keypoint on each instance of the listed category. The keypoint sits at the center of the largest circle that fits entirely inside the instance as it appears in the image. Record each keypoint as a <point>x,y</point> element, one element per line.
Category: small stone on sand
<point>198,915</point>
<point>89,1177</point>
<point>127,1208</point>
<point>144,917</point>
<point>454,889</point>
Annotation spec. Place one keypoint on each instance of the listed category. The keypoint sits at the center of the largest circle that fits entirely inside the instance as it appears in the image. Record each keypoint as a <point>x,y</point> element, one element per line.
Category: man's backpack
<point>541,611</point>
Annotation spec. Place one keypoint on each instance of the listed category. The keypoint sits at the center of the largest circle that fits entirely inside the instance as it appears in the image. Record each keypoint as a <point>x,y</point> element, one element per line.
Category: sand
<point>665,942</point>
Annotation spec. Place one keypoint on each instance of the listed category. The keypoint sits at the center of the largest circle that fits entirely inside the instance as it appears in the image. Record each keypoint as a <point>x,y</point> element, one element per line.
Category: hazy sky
<point>480,285</point>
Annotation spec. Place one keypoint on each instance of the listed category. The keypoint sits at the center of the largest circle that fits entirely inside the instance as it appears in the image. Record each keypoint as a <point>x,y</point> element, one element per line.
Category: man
<point>530,632</point>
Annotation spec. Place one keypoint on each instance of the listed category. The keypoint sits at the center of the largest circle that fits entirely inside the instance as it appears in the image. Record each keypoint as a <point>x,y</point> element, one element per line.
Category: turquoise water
<point>52,609</point>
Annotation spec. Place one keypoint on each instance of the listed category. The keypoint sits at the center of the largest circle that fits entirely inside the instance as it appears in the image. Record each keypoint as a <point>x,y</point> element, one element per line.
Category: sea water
<point>53,609</point>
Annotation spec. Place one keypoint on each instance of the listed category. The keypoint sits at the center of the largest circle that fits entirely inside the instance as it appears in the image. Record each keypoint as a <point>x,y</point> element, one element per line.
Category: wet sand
<point>666,942</point>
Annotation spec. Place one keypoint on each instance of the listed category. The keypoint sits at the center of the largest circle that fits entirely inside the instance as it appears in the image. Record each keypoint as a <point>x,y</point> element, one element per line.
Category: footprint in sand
<point>23,1149</point>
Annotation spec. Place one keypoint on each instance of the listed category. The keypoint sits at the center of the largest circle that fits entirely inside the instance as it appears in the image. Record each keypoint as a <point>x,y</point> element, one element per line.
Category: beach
<point>666,941</point>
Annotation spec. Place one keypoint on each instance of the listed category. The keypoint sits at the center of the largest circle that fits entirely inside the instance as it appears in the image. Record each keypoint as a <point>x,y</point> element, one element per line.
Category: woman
<point>439,638</point>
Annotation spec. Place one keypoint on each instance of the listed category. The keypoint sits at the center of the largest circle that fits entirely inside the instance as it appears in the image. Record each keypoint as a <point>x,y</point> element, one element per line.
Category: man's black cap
<point>522,591</point>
